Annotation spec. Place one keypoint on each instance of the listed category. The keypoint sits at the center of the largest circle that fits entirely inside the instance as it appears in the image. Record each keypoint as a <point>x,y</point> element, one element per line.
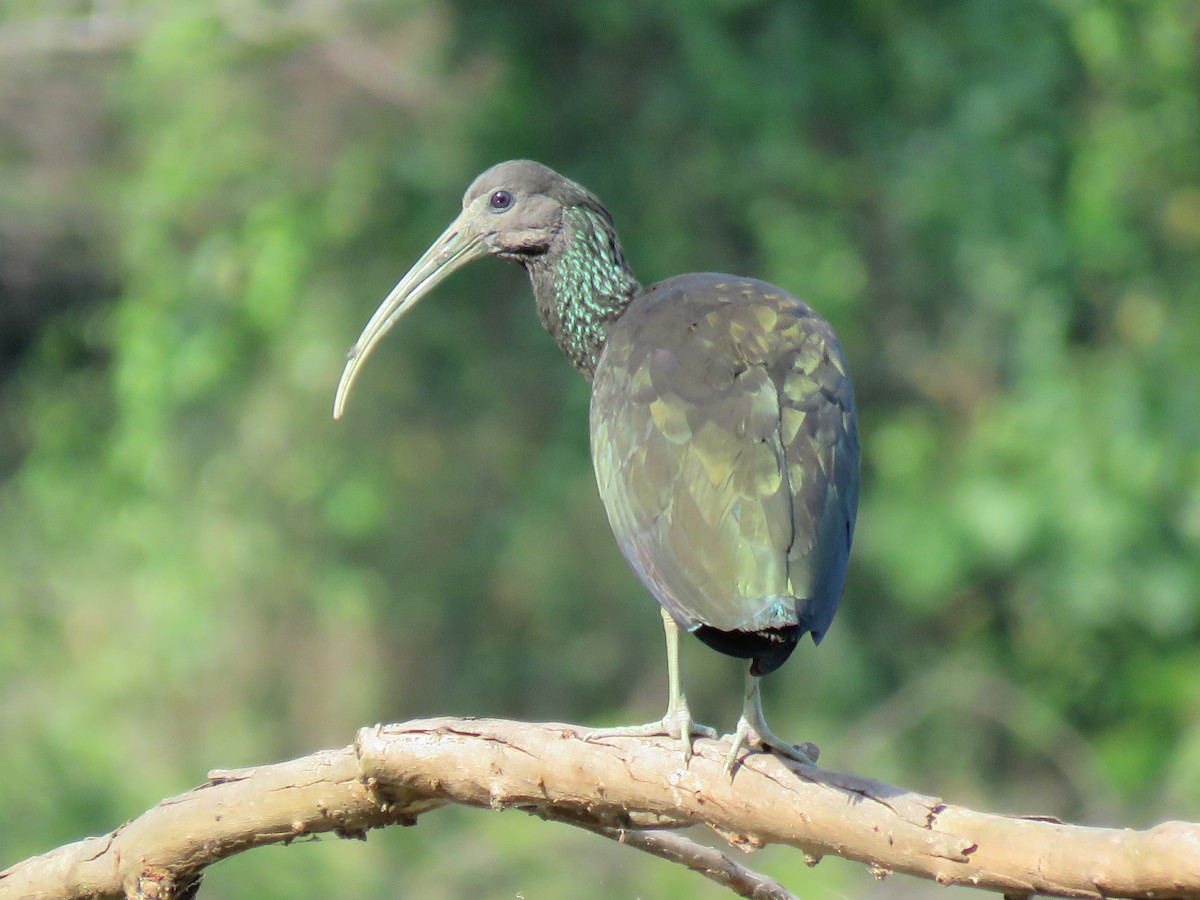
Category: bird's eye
<point>500,200</point>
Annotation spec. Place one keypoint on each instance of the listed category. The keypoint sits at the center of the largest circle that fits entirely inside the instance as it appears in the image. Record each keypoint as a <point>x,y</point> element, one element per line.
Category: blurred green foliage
<point>998,206</point>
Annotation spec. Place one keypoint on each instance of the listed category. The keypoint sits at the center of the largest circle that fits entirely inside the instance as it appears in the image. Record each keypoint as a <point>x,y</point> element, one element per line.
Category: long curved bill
<point>457,246</point>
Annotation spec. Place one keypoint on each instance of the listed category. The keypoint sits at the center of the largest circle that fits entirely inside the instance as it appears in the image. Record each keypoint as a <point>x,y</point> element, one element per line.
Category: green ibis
<point>723,428</point>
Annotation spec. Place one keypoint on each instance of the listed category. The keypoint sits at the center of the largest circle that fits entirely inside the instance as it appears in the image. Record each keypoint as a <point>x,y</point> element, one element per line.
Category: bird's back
<point>726,453</point>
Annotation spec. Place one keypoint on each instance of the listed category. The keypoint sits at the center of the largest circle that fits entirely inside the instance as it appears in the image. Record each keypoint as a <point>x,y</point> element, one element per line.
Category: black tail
<point>768,649</point>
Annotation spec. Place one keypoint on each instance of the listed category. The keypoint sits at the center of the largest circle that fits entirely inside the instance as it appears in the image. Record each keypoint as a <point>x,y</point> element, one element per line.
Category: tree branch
<point>709,862</point>
<point>624,788</point>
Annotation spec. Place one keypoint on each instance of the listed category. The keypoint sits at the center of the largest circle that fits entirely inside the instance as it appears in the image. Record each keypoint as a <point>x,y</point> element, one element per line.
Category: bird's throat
<point>582,285</point>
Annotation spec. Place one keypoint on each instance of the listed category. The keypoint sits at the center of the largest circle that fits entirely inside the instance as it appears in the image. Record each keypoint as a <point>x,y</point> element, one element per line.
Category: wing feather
<point>725,449</point>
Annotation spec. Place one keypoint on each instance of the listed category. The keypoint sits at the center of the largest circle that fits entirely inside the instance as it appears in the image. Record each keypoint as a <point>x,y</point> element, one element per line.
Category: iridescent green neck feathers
<point>582,284</point>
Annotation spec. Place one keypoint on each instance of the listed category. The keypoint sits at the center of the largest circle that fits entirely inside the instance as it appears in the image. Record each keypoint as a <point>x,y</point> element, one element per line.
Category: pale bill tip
<point>343,393</point>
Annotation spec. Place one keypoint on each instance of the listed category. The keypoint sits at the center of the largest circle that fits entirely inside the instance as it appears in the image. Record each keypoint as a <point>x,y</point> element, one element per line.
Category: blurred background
<point>996,204</point>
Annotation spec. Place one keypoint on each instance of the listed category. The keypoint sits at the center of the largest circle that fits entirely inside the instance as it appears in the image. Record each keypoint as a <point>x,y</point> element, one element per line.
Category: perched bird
<point>723,429</point>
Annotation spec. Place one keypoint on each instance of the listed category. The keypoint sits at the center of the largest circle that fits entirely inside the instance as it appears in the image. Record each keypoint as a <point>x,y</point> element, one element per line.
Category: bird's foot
<point>748,734</point>
<point>677,724</point>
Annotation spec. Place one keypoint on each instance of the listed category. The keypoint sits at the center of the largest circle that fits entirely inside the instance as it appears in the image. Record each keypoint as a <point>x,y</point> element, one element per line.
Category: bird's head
<point>514,210</point>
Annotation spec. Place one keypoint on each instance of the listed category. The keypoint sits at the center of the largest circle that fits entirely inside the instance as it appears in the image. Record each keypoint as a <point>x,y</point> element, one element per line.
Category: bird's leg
<point>675,699</point>
<point>752,728</point>
<point>678,720</point>
<point>677,723</point>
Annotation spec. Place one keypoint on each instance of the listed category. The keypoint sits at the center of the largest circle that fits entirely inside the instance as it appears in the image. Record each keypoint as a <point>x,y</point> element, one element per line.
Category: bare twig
<point>708,861</point>
<point>625,788</point>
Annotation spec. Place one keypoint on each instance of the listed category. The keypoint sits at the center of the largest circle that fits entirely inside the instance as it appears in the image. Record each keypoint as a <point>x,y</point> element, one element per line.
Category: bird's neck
<point>582,285</point>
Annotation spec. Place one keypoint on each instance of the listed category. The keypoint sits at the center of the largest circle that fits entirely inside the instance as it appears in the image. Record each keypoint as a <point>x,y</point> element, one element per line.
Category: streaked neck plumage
<point>582,284</point>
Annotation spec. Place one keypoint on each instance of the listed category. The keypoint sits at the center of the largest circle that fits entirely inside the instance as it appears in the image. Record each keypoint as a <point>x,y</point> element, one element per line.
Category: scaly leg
<point>752,728</point>
<point>677,722</point>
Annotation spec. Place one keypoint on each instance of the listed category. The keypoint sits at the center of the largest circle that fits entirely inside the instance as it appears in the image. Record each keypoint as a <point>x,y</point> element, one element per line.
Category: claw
<point>747,735</point>
<point>676,724</point>
<point>752,729</point>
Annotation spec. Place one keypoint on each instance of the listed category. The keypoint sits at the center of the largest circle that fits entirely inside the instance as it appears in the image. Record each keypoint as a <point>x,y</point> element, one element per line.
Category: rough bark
<point>626,788</point>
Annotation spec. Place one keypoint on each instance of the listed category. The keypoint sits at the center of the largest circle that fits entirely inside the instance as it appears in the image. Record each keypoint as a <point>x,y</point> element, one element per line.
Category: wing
<point>725,452</point>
